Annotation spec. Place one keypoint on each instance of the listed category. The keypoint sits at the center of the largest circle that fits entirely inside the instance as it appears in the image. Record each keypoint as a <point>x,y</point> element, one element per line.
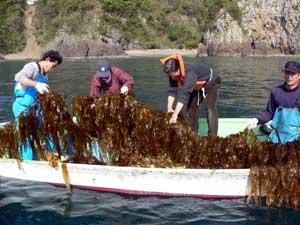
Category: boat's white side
<point>206,183</point>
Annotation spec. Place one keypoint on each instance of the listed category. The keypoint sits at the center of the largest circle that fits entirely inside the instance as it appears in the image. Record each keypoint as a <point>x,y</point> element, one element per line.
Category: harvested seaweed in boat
<point>9,142</point>
<point>69,139</point>
<point>138,135</point>
<point>133,134</point>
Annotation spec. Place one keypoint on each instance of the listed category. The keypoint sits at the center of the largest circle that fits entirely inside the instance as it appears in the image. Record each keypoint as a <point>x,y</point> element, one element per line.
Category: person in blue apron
<point>283,107</point>
<point>31,81</point>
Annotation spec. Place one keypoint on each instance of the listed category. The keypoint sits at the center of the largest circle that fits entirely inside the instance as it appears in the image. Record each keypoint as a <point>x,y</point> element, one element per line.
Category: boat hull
<point>204,183</point>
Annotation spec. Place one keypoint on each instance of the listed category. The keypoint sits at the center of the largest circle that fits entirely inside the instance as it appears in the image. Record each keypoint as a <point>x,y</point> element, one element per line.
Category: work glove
<point>252,123</point>
<point>124,90</point>
<point>42,87</point>
<point>173,118</point>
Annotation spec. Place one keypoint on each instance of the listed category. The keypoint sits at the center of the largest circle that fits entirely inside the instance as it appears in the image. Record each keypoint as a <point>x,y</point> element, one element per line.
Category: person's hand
<point>124,90</point>
<point>173,118</point>
<point>252,123</point>
<point>42,87</point>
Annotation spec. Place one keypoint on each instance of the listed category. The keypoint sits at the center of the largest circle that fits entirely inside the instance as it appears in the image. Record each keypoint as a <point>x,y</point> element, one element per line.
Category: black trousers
<point>193,109</point>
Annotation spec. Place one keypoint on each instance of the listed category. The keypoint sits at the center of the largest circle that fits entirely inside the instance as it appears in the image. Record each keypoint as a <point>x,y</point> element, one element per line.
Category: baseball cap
<point>292,66</point>
<point>103,68</point>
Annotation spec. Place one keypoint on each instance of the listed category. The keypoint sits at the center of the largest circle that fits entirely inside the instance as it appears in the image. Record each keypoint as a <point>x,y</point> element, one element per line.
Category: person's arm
<point>27,75</point>
<point>172,92</point>
<point>28,82</point>
<point>95,87</point>
<point>125,78</point>
<point>171,100</point>
<point>269,113</point>
<point>188,87</point>
<point>185,93</point>
<point>177,110</point>
<point>266,117</point>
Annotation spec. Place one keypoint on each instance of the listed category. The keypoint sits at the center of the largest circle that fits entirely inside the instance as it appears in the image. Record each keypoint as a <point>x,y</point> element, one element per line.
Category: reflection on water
<point>246,85</point>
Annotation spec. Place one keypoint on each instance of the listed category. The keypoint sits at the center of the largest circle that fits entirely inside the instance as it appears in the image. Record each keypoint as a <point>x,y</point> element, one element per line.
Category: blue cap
<point>103,69</point>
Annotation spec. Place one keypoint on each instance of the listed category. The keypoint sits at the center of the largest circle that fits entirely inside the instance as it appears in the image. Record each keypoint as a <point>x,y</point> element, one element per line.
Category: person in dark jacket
<point>283,107</point>
<point>110,79</point>
<point>199,82</point>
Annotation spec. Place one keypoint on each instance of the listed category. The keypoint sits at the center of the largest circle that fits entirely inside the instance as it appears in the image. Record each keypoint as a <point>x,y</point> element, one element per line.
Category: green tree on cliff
<point>148,23</point>
<point>12,36</point>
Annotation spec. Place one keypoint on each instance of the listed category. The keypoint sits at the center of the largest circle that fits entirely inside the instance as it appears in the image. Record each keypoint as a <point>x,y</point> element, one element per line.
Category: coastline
<point>129,53</point>
<point>138,53</point>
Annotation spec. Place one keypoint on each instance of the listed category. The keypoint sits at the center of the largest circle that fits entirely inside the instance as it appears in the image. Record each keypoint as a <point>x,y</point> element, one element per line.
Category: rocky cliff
<point>74,46</point>
<point>267,27</point>
<point>102,28</point>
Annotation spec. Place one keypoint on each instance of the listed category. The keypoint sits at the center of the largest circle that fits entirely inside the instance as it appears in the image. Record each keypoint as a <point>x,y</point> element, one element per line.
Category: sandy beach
<point>130,53</point>
<point>160,52</point>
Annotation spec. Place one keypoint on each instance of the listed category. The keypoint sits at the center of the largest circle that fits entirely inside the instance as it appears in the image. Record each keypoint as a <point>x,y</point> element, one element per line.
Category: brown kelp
<point>138,135</point>
<point>56,125</point>
<point>9,142</point>
<point>133,134</point>
<point>275,173</point>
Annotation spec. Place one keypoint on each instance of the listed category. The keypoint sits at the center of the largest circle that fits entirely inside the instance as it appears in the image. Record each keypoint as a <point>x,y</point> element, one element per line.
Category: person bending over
<point>199,82</point>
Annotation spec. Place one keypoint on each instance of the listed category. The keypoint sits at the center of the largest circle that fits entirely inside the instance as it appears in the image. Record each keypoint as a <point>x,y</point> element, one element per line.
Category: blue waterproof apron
<point>286,125</point>
<point>26,98</point>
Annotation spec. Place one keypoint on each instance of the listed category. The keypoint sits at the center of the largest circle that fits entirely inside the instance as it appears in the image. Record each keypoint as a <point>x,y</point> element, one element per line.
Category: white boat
<point>205,183</point>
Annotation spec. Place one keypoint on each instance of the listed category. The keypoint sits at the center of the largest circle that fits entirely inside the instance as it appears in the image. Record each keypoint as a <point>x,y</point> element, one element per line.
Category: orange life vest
<point>199,84</point>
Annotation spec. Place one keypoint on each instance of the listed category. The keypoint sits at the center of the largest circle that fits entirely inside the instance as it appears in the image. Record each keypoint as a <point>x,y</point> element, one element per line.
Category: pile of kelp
<point>133,134</point>
<point>9,142</point>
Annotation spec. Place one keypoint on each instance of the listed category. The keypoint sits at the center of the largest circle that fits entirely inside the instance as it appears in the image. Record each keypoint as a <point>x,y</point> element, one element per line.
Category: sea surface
<point>246,85</point>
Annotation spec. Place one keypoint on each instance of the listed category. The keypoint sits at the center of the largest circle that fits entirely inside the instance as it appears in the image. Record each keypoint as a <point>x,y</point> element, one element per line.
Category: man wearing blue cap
<point>283,107</point>
<point>110,79</point>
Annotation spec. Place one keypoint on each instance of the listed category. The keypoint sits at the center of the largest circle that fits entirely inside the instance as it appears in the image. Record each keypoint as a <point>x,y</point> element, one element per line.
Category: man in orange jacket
<point>198,82</point>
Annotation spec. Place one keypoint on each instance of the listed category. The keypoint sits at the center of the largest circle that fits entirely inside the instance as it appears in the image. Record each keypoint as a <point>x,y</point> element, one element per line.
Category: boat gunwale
<point>132,180</point>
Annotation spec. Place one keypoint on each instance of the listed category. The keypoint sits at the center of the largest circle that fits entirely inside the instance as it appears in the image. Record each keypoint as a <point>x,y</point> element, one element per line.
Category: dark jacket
<point>280,96</point>
<point>193,72</point>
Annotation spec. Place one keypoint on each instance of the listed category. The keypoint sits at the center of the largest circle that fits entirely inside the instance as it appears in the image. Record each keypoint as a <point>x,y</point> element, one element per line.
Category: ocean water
<point>246,85</point>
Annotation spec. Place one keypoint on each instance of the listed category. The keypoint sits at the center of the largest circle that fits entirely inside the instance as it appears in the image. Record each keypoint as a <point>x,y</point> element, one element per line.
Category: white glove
<point>124,90</point>
<point>173,118</point>
<point>252,123</point>
<point>42,87</point>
